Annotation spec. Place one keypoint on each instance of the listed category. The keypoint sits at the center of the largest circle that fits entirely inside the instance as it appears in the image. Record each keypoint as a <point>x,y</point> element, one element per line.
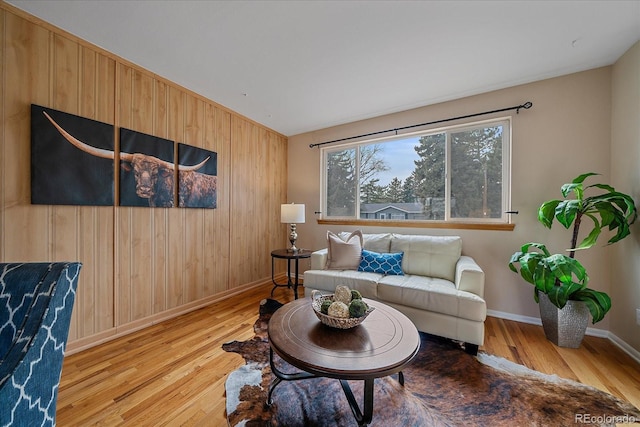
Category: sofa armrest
<point>319,259</point>
<point>469,276</point>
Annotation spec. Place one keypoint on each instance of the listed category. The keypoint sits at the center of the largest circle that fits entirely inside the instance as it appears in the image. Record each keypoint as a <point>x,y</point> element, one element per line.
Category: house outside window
<point>456,174</point>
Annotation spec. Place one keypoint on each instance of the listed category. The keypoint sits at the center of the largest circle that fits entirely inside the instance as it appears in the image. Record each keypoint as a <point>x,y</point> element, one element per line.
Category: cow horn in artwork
<point>99,152</point>
<point>193,167</point>
<point>108,154</point>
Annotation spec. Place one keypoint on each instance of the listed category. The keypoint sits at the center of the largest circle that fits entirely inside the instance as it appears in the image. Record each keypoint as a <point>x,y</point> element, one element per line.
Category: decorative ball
<point>357,308</point>
<point>324,308</point>
<point>342,294</point>
<point>338,309</point>
<point>355,294</point>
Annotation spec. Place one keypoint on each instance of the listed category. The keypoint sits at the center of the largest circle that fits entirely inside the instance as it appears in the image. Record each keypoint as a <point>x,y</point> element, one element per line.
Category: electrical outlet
<point>638,316</point>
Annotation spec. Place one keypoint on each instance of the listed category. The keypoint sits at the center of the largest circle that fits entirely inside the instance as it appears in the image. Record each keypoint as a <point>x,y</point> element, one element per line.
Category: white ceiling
<point>298,66</point>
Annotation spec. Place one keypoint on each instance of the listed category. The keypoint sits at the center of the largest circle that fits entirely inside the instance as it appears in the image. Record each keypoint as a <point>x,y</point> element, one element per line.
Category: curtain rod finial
<point>526,106</point>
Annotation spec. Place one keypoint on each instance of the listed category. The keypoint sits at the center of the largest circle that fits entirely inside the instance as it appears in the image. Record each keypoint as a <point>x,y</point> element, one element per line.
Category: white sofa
<point>441,290</point>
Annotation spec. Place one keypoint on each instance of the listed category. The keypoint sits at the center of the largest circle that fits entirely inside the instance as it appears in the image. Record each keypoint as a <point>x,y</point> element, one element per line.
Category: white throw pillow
<point>430,256</point>
<point>344,254</point>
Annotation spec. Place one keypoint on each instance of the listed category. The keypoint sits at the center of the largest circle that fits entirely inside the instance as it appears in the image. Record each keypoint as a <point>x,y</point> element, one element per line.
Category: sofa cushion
<point>344,254</point>
<point>373,242</point>
<point>430,256</point>
<point>327,281</point>
<point>432,294</point>
<point>383,263</point>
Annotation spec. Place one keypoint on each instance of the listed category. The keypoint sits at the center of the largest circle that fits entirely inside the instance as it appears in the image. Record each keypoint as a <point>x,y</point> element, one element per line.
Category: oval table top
<point>381,345</point>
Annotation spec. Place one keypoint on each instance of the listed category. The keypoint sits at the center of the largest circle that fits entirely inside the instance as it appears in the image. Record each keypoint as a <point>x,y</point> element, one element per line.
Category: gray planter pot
<point>566,327</point>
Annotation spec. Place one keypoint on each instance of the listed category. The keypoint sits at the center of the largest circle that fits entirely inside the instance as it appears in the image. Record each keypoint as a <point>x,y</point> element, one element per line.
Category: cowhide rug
<point>444,386</point>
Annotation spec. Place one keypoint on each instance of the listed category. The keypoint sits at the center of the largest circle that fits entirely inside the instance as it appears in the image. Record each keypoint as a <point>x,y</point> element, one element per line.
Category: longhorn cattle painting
<point>147,171</point>
<point>63,174</point>
<point>197,189</point>
<point>147,176</point>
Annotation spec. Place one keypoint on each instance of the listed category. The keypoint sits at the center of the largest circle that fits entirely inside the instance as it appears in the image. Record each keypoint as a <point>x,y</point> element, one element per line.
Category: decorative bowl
<point>335,322</point>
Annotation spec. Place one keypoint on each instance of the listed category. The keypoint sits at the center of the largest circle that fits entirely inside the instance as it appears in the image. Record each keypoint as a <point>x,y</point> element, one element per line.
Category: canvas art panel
<point>147,170</point>
<point>197,174</point>
<point>71,159</point>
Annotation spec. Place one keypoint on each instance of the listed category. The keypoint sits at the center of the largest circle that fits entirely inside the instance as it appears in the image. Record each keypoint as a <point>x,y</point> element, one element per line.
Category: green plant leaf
<point>590,240</point>
<point>528,261</point>
<point>547,212</point>
<point>514,258</point>
<point>575,187</point>
<point>623,231</point>
<point>525,271</point>
<point>543,277</point>
<point>541,247</point>
<point>564,269</point>
<point>581,178</point>
<point>598,303</point>
<point>566,212</point>
<point>605,187</point>
<point>559,295</point>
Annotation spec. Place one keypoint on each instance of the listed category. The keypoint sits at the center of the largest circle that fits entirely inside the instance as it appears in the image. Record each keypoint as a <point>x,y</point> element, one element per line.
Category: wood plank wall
<point>140,265</point>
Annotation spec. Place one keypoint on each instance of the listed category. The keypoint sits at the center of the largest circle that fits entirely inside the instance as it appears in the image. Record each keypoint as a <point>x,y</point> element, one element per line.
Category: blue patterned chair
<point>36,301</point>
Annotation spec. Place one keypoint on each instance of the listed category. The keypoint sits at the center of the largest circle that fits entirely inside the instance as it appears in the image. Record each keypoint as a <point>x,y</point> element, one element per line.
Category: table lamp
<point>292,214</point>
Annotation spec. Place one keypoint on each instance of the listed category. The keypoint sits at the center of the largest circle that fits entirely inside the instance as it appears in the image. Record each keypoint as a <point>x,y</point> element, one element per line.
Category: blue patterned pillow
<point>374,262</point>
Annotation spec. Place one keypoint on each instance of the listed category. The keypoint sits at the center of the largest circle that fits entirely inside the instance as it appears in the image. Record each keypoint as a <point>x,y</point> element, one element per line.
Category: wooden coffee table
<point>380,346</point>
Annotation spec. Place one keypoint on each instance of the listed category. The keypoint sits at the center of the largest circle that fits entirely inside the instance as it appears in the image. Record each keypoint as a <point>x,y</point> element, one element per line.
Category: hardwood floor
<point>173,373</point>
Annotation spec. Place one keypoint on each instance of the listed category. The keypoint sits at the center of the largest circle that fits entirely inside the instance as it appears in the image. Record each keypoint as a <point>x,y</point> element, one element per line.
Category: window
<point>457,173</point>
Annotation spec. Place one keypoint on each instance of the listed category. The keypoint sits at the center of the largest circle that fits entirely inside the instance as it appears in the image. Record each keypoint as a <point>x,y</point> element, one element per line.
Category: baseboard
<point>624,346</point>
<point>515,317</point>
<point>601,333</point>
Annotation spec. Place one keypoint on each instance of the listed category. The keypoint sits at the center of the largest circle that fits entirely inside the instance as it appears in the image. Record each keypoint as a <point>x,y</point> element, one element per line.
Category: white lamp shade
<point>292,214</point>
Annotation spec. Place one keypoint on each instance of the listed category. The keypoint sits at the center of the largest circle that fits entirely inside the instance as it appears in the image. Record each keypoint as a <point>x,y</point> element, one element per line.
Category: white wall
<point>566,133</point>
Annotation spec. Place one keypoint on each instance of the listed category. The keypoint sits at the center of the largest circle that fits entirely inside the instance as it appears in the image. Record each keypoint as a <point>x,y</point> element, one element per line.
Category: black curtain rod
<point>526,106</point>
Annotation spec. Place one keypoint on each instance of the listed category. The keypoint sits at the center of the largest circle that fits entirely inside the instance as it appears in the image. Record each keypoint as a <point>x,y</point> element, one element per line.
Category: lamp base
<point>293,236</point>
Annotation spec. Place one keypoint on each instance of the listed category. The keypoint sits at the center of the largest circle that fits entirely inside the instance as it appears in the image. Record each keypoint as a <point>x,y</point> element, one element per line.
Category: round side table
<point>289,255</point>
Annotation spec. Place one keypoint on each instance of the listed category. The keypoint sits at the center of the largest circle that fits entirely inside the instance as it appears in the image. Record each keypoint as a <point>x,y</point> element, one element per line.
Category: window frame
<point>491,223</point>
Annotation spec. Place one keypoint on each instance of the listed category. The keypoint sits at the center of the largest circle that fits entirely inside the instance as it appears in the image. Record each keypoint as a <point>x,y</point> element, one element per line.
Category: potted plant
<point>560,281</point>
